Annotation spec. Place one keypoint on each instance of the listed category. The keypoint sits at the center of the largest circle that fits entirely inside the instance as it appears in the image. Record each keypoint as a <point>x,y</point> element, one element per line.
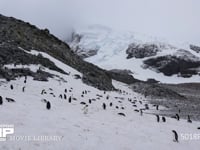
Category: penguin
<point>42,92</point>
<point>10,99</point>
<point>111,104</point>
<point>104,106</point>
<point>23,89</point>
<point>158,118</point>
<point>189,120</point>
<point>90,101</point>
<point>1,100</point>
<point>65,90</point>
<point>175,136</point>
<point>163,119</point>
<point>177,117</point>
<point>141,112</point>
<point>107,97</point>
<point>60,96</point>
<point>48,105</point>
<point>146,106</point>
<point>121,114</point>
<point>157,107</point>
<point>136,110</point>
<point>83,103</point>
<point>65,97</point>
<point>11,87</point>
<point>70,99</point>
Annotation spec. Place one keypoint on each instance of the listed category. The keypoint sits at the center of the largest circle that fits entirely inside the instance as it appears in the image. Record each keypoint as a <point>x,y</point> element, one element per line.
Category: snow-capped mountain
<point>147,57</point>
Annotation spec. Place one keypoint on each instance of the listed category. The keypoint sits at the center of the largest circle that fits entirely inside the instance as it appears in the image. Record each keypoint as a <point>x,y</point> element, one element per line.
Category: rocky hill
<point>16,35</point>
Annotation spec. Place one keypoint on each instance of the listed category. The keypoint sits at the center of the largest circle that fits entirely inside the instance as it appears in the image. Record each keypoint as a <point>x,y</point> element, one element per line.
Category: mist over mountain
<point>175,20</point>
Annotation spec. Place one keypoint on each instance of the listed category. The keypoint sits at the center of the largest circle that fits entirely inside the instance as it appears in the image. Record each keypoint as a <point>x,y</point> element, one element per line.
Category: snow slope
<point>81,127</point>
<point>112,46</point>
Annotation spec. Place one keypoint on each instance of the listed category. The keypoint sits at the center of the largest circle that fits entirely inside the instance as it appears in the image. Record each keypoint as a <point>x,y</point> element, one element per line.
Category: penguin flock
<point>139,105</point>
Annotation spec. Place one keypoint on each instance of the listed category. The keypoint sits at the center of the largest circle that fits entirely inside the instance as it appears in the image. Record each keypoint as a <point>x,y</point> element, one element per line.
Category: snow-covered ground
<point>112,46</point>
<point>86,128</point>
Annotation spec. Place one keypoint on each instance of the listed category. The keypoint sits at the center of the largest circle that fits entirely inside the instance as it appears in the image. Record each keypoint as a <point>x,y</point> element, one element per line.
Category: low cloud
<point>171,19</point>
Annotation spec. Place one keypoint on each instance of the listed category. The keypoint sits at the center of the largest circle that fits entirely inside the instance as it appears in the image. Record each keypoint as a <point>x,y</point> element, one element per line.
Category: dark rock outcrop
<point>155,90</point>
<point>195,48</point>
<point>122,76</point>
<point>184,65</point>
<point>11,74</point>
<point>141,50</point>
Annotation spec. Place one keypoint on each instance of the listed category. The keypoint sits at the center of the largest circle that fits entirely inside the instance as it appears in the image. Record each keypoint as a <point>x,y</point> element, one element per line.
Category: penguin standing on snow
<point>1,100</point>
<point>60,96</point>
<point>48,106</point>
<point>70,99</point>
<point>11,87</point>
<point>23,89</point>
<point>163,119</point>
<point>177,117</point>
<point>65,97</point>
<point>157,106</point>
<point>189,120</point>
<point>158,118</point>
<point>175,136</point>
<point>141,112</point>
<point>90,101</point>
<point>104,106</point>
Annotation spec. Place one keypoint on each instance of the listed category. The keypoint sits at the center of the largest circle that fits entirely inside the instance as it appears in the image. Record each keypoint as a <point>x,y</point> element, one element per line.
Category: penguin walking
<point>175,136</point>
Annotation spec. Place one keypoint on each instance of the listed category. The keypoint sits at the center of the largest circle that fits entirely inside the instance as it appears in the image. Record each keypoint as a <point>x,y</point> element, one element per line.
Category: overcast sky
<point>171,19</point>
